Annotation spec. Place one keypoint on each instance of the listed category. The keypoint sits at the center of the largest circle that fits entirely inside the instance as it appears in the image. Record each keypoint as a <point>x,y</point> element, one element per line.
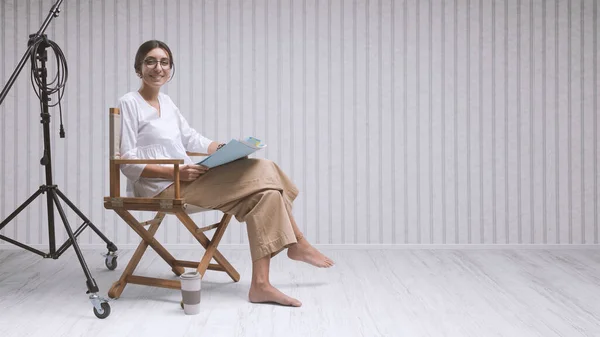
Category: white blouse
<point>146,135</point>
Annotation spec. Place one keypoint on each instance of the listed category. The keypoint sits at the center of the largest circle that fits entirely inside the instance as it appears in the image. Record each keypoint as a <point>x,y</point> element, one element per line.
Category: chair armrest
<point>115,176</point>
<point>147,161</point>
<point>196,154</point>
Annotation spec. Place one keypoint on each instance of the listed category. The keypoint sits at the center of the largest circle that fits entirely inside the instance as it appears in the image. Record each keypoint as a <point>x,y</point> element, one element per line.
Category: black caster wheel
<point>111,262</point>
<point>105,311</point>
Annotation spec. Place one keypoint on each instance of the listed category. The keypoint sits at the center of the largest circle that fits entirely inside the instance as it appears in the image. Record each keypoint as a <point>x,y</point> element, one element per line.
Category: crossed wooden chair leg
<point>177,266</point>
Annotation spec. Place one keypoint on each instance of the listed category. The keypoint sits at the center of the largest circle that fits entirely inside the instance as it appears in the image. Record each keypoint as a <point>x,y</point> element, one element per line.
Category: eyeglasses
<point>152,62</point>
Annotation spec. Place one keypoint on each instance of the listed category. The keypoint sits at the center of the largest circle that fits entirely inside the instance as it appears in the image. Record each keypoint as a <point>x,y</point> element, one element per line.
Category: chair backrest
<point>114,136</point>
<point>114,133</point>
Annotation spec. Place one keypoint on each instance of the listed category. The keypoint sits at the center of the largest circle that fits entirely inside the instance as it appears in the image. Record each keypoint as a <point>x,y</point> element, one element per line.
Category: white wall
<point>401,121</point>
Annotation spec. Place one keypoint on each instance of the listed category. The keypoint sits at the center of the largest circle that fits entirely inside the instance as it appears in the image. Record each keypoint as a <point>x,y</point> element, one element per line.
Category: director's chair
<point>162,207</point>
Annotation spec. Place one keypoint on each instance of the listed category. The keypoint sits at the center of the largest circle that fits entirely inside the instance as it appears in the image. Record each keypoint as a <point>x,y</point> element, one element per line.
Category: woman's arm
<point>214,146</point>
<point>128,147</point>
<point>192,140</point>
<point>186,172</point>
<point>159,171</point>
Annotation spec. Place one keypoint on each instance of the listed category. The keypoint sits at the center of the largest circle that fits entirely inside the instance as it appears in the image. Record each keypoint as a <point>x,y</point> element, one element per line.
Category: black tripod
<point>36,51</point>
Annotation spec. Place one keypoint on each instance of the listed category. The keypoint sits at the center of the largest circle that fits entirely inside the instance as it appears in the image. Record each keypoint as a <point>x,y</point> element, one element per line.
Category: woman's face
<point>156,68</point>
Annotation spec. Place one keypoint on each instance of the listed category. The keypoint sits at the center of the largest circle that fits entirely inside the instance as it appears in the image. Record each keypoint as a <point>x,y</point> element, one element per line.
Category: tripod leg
<point>16,243</point>
<point>101,306</point>
<point>111,246</point>
<point>91,283</point>
<point>13,215</point>
<point>67,243</point>
<point>22,207</point>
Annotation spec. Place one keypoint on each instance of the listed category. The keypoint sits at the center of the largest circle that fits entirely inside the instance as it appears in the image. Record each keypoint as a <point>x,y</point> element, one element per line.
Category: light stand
<point>36,51</point>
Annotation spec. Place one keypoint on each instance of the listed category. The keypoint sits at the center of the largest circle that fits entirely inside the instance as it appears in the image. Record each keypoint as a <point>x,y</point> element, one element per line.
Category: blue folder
<point>233,150</point>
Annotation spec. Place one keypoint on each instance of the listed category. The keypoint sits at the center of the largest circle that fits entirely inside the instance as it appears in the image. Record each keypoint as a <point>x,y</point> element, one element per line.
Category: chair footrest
<point>187,264</point>
<point>155,282</point>
<point>194,264</point>
<point>207,228</point>
<point>217,267</point>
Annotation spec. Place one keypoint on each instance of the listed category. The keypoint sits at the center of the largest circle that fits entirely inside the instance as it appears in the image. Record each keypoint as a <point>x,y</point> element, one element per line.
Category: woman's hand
<point>191,172</point>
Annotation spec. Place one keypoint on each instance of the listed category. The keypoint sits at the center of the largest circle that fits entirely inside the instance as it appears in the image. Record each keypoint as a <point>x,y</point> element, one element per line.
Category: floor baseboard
<point>350,246</point>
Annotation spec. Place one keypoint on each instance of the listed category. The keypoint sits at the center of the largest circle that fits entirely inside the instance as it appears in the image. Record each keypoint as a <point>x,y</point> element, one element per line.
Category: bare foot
<point>266,293</point>
<point>303,251</point>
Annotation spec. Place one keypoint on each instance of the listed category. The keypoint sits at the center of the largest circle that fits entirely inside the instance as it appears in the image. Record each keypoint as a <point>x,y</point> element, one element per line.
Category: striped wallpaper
<point>402,122</point>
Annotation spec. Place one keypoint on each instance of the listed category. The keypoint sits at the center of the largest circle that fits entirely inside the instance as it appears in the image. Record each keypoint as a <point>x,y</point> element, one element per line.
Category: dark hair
<point>145,48</point>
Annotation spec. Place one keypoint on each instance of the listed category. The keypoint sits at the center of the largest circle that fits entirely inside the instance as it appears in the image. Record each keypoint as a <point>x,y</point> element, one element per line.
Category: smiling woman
<point>256,191</point>
<point>154,65</point>
<point>152,51</point>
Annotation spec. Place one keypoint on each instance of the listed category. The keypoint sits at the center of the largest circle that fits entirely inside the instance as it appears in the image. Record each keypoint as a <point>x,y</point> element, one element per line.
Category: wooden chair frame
<point>162,206</point>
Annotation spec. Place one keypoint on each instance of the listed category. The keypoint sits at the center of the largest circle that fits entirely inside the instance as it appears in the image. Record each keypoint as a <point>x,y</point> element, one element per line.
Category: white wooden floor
<point>368,293</point>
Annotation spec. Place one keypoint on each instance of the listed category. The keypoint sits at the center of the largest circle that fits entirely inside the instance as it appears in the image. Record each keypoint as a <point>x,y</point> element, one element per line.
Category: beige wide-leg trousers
<point>255,191</point>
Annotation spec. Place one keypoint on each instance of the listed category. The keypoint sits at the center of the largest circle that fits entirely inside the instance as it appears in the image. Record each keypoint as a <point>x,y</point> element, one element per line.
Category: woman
<point>255,191</point>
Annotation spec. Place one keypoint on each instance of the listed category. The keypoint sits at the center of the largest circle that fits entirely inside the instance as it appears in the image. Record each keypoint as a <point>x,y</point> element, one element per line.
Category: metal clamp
<point>116,202</point>
<point>166,204</point>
